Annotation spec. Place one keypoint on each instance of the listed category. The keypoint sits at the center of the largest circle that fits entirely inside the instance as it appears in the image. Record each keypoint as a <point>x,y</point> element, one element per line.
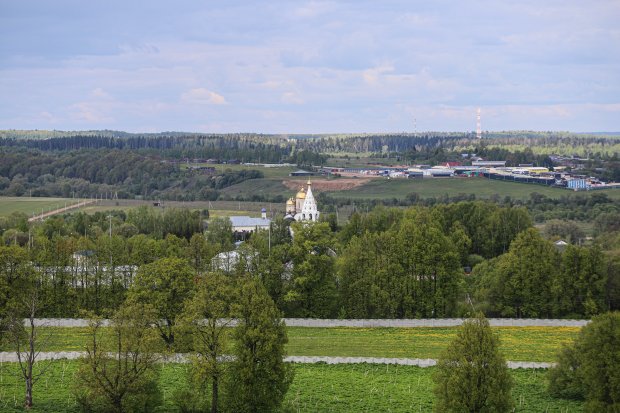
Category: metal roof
<point>245,221</point>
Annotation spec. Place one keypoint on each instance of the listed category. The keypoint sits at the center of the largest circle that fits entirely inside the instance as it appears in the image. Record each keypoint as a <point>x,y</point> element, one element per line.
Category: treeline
<point>276,148</point>
<point>388,263</point>
<point>234,368</point>
<point>596,207</point>
<point>88,173</point>
<point>224,147</point>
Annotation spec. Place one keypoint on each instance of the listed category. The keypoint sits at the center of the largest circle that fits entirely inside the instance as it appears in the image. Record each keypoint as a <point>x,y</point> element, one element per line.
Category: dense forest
<point>388,263</point>
<point>84,173</point>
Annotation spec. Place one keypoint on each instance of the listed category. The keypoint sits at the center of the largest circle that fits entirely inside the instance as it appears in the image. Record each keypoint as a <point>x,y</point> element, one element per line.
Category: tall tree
<point>471,374</point>
<point>590,367</point>
<point>164,284</point>
<point>207,317</point>
<point>312,291</point>
<point>258,378</point>
<point>119,372</point>
<point>220,233</point>
<point>525,277</point>
<point>25,304</point>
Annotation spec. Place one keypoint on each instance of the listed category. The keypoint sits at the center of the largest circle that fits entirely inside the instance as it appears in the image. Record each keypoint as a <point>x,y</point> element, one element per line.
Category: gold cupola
<point>301,194</point>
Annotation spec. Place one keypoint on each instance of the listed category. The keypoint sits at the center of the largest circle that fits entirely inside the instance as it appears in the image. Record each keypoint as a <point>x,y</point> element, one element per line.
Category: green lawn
<point>315,388</point>
<point>29,205</point>
<point>518,343</point>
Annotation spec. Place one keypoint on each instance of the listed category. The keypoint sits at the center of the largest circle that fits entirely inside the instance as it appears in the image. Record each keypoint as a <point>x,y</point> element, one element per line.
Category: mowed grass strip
<point>517,343</point>
<point>539,344</point>
<point>315,388</point>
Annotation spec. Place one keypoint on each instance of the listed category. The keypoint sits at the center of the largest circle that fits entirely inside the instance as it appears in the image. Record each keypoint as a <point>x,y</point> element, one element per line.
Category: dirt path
<point>60,210</point>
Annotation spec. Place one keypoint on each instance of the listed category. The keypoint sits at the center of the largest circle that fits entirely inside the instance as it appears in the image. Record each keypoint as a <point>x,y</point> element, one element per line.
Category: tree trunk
<point>28,401</point>
<point>214,394</point>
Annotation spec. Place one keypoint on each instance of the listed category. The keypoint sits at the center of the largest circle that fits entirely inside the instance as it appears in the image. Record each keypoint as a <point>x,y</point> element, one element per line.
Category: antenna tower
<point>478,126</point>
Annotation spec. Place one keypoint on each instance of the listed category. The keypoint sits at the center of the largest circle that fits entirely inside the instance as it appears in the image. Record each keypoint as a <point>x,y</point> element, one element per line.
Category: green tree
<point>220,233</point>
<point>24,303</point>
<point>258,378</point>
<point>206,317</point>
<point>471,374</point>
<point>199,253</point>
<point>525,277</point>
<point>143,249</point>
<point>164,284</point>
<point>312,292</point>
<point>119,372</point>
<point>590,367</point>
<point>579,288</point>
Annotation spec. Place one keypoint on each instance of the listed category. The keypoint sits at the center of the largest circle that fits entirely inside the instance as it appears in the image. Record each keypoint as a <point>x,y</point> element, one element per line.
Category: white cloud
<point>373,75</point>
<point>99,93</point>
<point>313,9</point>
<point>90,113</point>
<point>292,98</point>
<point>48,117</point>
<point>202,96</point>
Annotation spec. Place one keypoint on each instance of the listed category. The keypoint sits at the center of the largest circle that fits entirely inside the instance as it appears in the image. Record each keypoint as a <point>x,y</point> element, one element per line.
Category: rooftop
<point>245,221</point>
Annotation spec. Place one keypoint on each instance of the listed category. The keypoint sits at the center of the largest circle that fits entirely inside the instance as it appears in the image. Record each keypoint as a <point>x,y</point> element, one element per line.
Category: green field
<point>217,208</point>
<point>279,172</point>
<point>517,343</point>
<point>315,388</point>
<point>382,188</point>
<point>262,186</point>
<point>29,205</point>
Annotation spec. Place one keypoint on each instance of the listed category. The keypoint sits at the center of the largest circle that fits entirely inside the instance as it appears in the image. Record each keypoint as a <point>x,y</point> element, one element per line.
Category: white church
<point>303,206</point>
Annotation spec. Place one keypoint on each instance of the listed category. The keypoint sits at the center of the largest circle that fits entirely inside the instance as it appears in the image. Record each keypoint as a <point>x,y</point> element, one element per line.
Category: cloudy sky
<point>309,66</point>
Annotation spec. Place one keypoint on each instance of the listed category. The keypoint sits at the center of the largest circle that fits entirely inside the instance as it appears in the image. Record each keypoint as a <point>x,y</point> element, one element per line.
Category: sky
<point>309,66</point>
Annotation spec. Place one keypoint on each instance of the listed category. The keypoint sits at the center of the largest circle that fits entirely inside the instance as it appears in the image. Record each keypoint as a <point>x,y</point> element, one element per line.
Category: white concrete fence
<point>367,323</point>
<point>11,357</point>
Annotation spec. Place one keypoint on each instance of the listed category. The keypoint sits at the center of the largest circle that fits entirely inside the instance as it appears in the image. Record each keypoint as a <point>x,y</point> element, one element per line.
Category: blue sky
<point>309,66</point>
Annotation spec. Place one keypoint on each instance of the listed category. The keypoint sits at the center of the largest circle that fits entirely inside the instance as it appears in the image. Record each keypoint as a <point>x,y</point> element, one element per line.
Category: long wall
<point>367,323</point>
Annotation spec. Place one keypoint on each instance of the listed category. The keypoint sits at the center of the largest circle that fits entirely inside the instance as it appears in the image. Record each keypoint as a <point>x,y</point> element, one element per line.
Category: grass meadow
<point>315,388</point>
<point>400,188</point>
<point>539,344</point>
<point>437,187</point>
<point>30,205</point>
<point>278,172</point>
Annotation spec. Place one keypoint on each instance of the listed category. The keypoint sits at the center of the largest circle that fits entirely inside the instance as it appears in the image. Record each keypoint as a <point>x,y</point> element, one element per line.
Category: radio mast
<point>478,126</point>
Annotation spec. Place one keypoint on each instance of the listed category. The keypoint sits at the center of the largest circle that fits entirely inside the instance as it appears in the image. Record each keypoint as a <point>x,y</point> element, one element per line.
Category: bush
<point>590,368</point>
<point>471,374</point>
<point>118,373</point>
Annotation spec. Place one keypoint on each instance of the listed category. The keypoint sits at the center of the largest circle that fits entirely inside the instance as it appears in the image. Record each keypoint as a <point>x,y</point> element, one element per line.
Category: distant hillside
<point>252,147</point>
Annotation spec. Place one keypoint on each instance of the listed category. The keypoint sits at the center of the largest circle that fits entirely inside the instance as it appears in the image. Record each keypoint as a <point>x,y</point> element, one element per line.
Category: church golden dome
<point>290,202</point>
<point>301,194</point>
